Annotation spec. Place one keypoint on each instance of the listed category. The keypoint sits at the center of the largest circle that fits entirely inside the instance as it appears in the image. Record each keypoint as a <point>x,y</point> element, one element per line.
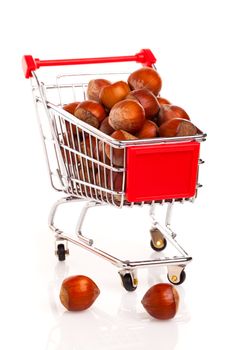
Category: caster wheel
<point>161,246</point>
<point>129,284</point>
<point>176,281</point>
<point>61,252</point>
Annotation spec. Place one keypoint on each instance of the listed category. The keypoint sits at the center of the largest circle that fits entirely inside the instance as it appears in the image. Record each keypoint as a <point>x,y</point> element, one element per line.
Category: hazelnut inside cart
<point>80,160</point>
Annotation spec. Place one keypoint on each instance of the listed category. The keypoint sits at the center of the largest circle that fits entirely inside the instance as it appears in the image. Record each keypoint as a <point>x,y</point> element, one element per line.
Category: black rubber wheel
<point>157,249</point>
<point>61,252</point>
<point>128,283</point>
<point>181,278</point>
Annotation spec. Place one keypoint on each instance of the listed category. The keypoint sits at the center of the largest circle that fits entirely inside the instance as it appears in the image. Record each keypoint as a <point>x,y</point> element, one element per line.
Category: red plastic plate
<point>165,171</point>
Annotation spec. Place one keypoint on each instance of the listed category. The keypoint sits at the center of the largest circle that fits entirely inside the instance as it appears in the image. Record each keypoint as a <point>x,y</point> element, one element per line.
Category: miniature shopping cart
<point>154,172</point>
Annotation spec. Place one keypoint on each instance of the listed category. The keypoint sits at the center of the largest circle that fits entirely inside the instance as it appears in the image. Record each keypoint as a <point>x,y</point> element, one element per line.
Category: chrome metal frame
<point>78,166</point>
<point>87,243</point>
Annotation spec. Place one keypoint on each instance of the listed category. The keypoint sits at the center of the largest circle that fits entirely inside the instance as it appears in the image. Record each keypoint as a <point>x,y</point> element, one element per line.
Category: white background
<point>196,44</point>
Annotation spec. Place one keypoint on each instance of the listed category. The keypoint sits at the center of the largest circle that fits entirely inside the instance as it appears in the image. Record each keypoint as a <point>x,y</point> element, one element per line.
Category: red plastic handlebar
<point>29,64</point>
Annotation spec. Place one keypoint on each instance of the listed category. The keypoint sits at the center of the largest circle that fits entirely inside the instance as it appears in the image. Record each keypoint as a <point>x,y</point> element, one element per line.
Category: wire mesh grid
<point>88,163</point>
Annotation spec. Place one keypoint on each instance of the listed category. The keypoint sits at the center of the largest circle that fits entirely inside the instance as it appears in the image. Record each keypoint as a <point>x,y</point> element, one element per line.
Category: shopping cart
<point>154,171</point>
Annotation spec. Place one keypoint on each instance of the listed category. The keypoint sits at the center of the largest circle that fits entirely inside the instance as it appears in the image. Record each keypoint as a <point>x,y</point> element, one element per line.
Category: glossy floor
<point>35,318</point>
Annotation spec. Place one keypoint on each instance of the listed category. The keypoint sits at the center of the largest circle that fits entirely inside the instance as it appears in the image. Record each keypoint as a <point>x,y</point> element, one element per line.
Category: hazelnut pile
<point>125,111</point>
<point>135,107</point>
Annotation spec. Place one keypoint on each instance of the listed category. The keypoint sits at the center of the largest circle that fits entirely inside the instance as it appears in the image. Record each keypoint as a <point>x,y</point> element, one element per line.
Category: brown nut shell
<point>69,157</point>
<point>88,147</point>
<point>78,293</point>
<point>147,78</point>
<point>127,115</point>
<point>87,175</point>
<point>163,101</point>
<point>90,112</point>
<point>118,154</point>
<point>147,100</point>
<point>94,87</point>
<point>87,117</point>
<point>70,108</point>
<point>112,181</point>
<point>168,112</point>
<point>105,127</point>
<point>177,127</point>
<point>161,301</point>
<point>103,179</point>
<point>149,130</point>
<point>111,94</point>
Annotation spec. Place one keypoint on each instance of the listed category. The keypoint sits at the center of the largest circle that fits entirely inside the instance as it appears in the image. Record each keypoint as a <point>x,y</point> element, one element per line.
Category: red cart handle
<point>29,64</point>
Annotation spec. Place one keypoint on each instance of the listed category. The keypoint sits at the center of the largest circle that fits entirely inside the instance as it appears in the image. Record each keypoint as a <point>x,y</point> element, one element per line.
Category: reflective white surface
<point>108,327</point>
<point>117,320</point>
<point>34,317</point>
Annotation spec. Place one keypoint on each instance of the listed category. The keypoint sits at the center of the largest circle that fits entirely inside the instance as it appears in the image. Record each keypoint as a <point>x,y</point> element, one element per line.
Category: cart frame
<point>69,150</point>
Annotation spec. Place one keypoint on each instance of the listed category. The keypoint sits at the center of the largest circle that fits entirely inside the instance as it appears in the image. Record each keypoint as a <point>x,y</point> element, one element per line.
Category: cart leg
<point>53,211</point>
<point>79,225</point>
<point>61,244</point>
<point>158,242</point>
<point>62,238</point>
<point>167,232</point>
<point>168,219</point>
<point>59,233</point>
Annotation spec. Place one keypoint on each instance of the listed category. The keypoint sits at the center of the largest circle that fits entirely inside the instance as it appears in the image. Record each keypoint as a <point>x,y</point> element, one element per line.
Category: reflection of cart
<point>80,160</point>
